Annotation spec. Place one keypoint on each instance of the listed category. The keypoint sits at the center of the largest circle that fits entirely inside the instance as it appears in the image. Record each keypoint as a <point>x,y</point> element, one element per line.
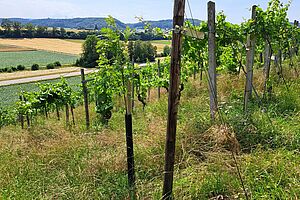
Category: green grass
<point>9,94</point>
<point>53,161</point>
<point>75,40</point>
<point>28,58</point>
<point>165,42</point>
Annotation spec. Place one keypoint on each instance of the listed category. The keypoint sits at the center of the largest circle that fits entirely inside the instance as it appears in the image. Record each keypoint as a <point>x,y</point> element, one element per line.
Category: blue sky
<point>126,10</point>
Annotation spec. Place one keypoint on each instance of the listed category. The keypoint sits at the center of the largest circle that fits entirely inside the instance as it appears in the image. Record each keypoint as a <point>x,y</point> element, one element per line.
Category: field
<point>27,58</point>
<point>12,48</point>
<point>160,44</point>
<point>55,45</point>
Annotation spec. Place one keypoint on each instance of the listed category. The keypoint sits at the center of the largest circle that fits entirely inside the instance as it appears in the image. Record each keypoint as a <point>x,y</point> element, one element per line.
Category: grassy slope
<point>28,58</point>
<point>51,161</point>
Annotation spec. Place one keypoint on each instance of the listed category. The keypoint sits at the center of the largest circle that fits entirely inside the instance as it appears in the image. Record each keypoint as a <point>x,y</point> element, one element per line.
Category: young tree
<point>89,56</point>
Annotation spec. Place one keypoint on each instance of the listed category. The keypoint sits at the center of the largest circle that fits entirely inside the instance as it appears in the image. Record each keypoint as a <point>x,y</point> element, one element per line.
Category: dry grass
<point>29,74</point>
<point>55,45</point>
<point>12,48</point>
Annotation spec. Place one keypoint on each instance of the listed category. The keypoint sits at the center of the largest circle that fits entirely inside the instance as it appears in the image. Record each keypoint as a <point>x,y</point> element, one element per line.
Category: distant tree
<point>41,31</point>
<point>30,29</point>
<point>7,26</point>
<point>17,29</point>
<point>63,32</point>
<point>89,56</point>
<point>54,32</point>
<point>96,27</point>
<point>143,51</point>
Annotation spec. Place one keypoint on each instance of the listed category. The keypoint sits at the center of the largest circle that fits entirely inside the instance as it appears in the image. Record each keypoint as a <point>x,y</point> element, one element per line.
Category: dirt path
<point>42,78</point>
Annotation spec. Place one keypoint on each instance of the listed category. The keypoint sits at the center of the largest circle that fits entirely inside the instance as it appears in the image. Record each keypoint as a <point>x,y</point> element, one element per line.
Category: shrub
<point>50,66</point>
<point>167,50</point>
<point>5,69</point>
<point>9,70</point>
<point>20,67</point>
<point>13,69</point>
<point>35,67</point>
<point>57,64</point>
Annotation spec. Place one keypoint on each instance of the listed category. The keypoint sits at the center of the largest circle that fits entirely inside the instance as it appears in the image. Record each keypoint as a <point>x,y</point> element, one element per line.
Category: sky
<point>128,10</point>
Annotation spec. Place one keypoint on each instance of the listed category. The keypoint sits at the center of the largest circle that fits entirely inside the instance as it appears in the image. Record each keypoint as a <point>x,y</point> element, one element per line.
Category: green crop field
<point>9,94</point>
<point>165,42</point>
<point>28,58</point>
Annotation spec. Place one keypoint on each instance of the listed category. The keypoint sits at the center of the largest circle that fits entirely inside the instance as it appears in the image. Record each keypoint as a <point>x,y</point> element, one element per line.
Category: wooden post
<point>267,66</point>
<point>67,114</point>
<point>178,19</point>
<point>27,116</point>
<point>129,141</point>
<point>86,102</point>
<point>201,70</point>
<point>133,84</point>
<point>212,61</point>
<point>249,63</point>
<point>72,113</point>
<point>149,91</point>
<point>158,74</point>
<point>21,115</point>
<point>194,71</point>
<point>57,112</point>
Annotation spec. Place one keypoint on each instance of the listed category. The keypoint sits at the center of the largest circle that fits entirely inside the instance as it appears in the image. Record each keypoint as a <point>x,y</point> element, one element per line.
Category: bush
<point>20,67</point>
<point>167,50</point>
<point>13,69</point>
<point>9,70</point>
<point>5,69</point>
<point>35,67</point>
<point>57,64</point>
<point>50,66</point>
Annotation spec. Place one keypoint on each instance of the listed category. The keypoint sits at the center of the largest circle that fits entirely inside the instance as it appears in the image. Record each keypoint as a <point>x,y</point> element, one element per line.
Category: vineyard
<point>228,98</point>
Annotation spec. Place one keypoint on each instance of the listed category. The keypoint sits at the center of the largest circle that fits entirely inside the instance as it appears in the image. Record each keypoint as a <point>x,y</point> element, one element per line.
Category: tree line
<point>15,29</point>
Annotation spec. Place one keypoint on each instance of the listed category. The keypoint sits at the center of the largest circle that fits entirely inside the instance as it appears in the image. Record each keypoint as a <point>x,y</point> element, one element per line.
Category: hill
<point>90,23</point>
<point>163,24</point>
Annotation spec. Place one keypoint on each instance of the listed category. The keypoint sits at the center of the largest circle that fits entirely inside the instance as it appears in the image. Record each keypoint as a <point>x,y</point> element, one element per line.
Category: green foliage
<point>7,117</point>
<point>89,56</point>
<point>167,50</point>
<point>20,67</point>
<point>50,66</point>
<point>13,69</point>
<point>57,64</point>
<point>35,67</point>
<point>142,51</point>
